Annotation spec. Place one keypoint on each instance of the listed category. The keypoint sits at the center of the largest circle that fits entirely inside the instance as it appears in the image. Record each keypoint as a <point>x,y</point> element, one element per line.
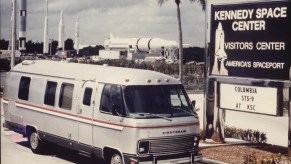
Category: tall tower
<point>61,32</point>
<point>77,35</point>
<point>22,26</point>
<point>45,33</point>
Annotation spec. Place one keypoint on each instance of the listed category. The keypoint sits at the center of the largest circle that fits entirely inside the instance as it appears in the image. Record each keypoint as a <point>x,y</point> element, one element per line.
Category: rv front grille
<point>171,144</point>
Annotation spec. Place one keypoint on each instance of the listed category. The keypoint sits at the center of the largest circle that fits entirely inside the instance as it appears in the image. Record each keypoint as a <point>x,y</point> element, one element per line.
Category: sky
<point>99,18</point>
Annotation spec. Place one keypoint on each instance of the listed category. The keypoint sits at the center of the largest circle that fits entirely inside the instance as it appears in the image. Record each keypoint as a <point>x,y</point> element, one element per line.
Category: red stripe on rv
<point>108,123</point>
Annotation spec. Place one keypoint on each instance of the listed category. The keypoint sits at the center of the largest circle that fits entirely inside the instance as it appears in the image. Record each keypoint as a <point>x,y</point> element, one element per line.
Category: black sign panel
<point>251,40</point>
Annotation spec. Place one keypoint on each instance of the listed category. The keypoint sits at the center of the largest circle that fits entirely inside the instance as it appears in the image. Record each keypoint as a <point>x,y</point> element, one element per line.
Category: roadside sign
<point>251,99</point>
<point>251,40</point>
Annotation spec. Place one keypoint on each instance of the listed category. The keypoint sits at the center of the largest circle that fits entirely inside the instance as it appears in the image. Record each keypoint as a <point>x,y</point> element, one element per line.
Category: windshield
<point>157,101</point>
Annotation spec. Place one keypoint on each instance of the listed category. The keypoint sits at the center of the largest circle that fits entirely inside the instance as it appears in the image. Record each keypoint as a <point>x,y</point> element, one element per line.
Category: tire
<point>35,143</point>
<point>116,159</point>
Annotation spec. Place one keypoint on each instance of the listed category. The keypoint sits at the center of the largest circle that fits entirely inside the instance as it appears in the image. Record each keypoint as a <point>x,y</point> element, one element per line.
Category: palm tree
<point>178,2</point>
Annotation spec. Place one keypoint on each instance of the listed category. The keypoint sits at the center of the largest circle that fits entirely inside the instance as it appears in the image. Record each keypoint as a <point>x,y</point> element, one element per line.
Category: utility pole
<point>14,6</point>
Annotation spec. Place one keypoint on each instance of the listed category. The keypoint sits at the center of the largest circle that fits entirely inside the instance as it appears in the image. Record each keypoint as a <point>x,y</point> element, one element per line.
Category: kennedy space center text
<point>250,19</point>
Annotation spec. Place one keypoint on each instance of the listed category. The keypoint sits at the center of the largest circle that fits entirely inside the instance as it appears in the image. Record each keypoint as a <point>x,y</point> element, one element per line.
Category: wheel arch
<point>30,129</point>
<point>107,153</point>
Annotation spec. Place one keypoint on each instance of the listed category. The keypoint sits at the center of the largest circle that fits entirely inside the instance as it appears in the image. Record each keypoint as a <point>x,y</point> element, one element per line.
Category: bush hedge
<point>254,136</point>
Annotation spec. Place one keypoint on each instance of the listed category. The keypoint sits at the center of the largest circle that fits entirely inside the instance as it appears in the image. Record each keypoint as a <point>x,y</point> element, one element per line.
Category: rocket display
<point>22,26</point>
<point>61,32</point>
<point>45,34</point>
<point>77,34</point>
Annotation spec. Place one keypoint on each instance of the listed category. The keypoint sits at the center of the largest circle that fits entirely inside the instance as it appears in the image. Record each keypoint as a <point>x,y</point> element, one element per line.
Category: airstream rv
<point>122,115</point>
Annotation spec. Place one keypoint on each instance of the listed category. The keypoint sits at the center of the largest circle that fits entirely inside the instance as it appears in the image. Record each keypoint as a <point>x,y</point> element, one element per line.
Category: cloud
<point>126,18</point>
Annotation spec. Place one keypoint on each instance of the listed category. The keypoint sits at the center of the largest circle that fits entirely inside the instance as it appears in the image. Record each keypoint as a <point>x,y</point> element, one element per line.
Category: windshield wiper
<point>184,110</point>
<point>155,115</point>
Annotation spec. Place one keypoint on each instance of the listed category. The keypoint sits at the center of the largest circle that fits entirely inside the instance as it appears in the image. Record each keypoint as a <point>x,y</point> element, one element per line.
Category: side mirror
<point>194,103</point>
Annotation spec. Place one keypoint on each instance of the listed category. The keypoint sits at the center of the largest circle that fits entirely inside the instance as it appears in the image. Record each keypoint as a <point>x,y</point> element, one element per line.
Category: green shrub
<point>254,136</point>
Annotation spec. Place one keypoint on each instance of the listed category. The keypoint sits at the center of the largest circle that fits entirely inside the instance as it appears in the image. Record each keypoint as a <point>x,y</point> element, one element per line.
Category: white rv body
<point>69,104</point>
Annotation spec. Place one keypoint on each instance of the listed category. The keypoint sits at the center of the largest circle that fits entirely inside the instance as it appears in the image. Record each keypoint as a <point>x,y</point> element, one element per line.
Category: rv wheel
<point>35,143</point>
<point>116,159</point>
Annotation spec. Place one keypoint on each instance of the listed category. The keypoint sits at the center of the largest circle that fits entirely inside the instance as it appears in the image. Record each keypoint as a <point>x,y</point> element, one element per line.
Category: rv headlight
<point>196,141</point>
<point>143,147</point>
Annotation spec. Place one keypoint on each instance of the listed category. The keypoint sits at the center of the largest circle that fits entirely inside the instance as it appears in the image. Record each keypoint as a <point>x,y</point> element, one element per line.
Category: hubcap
<point>33,141</point>
<point>116,159</point>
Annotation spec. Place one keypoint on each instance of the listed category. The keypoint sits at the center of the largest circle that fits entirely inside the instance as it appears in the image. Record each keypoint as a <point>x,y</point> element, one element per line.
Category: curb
<point>211,161</point>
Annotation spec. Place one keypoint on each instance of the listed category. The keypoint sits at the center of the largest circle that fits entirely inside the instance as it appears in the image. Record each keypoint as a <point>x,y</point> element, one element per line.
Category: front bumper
<point>165,159</point>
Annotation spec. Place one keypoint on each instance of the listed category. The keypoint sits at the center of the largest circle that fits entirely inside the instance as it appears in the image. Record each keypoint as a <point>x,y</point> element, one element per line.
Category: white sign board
<point>249,98</point>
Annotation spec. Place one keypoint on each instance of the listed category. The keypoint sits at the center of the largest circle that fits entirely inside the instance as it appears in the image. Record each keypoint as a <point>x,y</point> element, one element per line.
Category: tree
<point>193,54</point>
<point>54,47</point>
<point>178,2</point>
<point>69,44</point>
<point>38,47</point>
<point>4,44</point>
<point>89,51</point>
<point>34,47</point>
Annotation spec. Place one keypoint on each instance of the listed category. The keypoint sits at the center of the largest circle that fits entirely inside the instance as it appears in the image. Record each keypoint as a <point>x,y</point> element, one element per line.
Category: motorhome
<point>122,115</point>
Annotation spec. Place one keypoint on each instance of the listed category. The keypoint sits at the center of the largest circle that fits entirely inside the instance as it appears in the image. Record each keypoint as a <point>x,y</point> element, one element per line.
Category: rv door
<point>85,113</point>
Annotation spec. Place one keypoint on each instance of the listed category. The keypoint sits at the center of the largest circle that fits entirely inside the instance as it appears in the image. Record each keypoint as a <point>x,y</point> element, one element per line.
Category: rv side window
<point>50,93</point>
<point>23,91</point>
<point>111,96</point>
<point>66,96</point>
<point>87,96</point>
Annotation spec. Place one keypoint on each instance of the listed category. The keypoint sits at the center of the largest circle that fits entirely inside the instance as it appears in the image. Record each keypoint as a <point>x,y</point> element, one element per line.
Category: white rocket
<point>150,45</point>
<point>77,35</point>
<point>45,34</point>
<point>61,32</point>
<point>22,26</point>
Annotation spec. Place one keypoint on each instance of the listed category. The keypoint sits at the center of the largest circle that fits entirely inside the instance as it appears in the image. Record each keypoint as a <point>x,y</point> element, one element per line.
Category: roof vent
<point>27,62</point>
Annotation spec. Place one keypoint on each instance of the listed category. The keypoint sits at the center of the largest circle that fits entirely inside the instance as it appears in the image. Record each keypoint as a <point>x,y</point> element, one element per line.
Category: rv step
<point>84,153</point>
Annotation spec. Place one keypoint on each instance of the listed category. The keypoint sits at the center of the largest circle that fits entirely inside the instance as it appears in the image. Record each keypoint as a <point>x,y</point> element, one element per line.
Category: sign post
<point>289,127</point>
